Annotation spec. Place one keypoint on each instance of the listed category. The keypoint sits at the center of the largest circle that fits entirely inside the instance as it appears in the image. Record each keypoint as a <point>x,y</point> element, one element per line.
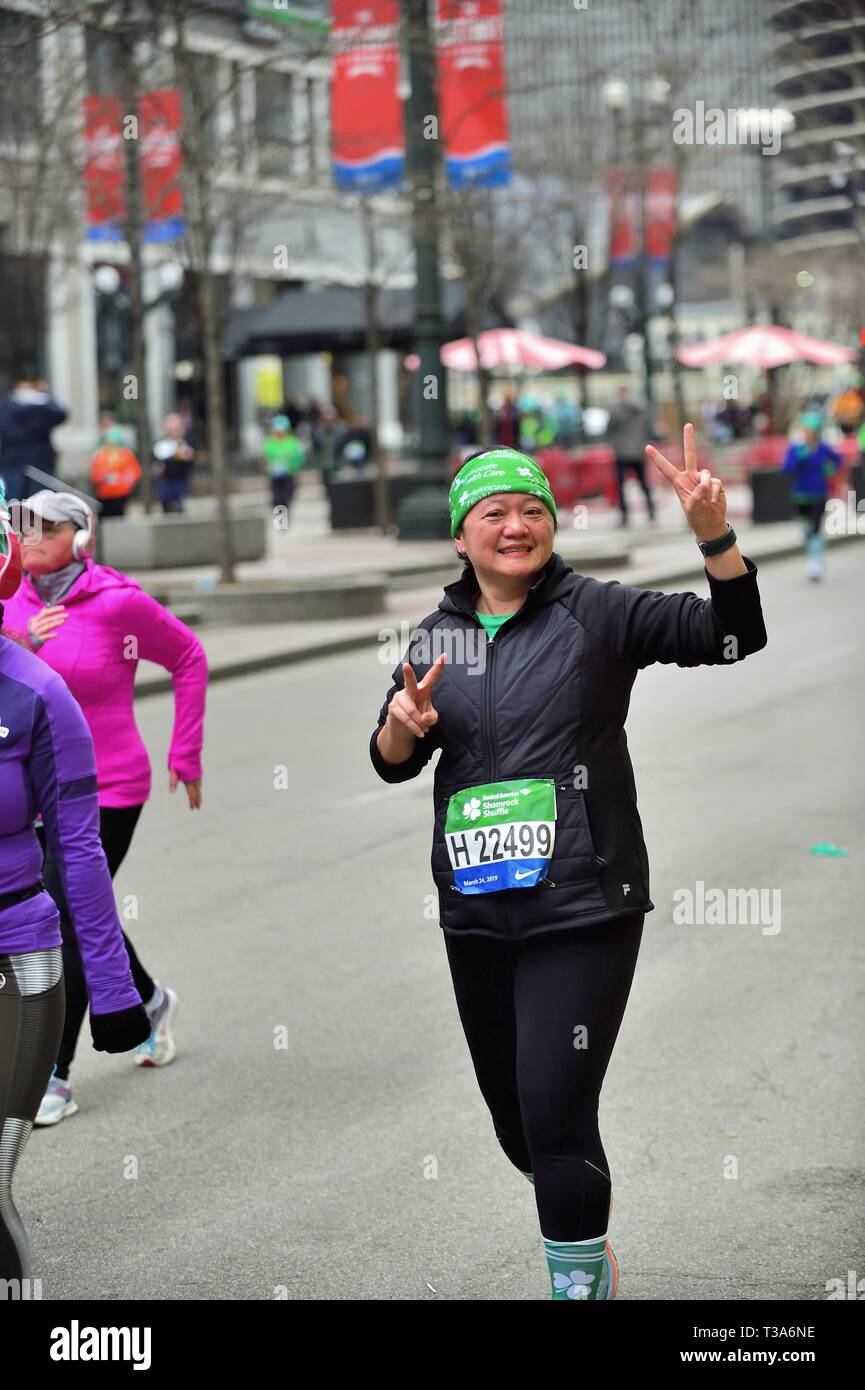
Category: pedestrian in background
<point>283,460</point>
<point>27,417</point>
<point>114,472</point>
<point>811,462</point>
<point>325,445</point>
<point>506,426</point>
<point>92,624</point>
<point>631,424</point>
<point>173,461</point>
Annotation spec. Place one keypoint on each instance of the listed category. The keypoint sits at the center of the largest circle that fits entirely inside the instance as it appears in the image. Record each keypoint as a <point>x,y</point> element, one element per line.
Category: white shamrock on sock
<point>578,1283</point>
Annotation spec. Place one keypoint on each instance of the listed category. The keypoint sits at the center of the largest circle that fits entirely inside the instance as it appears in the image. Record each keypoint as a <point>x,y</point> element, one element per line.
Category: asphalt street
<point>321,1133</point>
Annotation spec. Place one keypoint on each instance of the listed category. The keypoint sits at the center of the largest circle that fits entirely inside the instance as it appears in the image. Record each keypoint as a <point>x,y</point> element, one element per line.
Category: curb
<point>292,656</point>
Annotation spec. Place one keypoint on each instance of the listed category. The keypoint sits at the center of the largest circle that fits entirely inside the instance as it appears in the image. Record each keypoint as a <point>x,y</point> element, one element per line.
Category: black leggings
<point>116,824</point>
<point>520,1005</point>
<point>31,1018</point>
<point>813,513</point>
<point>638,467</point>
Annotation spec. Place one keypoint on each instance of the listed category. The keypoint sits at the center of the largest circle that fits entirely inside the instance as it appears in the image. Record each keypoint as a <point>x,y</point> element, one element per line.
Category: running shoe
<point>159,1049</point>
<point>57,1103</point>
<point>610,1277</point>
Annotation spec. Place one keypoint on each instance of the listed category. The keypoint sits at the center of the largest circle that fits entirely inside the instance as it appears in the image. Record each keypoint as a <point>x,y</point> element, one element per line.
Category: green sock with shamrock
<point>576,1266</point>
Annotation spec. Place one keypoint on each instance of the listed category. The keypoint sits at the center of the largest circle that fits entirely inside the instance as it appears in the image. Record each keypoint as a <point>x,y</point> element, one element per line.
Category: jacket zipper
<point>491,745</point>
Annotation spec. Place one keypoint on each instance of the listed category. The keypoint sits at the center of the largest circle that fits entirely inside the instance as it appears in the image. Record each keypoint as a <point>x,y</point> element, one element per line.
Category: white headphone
<point>84,541</point>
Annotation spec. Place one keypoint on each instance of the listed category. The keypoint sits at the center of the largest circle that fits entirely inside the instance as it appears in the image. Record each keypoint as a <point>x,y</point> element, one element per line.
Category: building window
<point>273,123</point>
<point>200,94</point>
<point>20,77</point>
<point>318,96</point>
<point>105,63</point>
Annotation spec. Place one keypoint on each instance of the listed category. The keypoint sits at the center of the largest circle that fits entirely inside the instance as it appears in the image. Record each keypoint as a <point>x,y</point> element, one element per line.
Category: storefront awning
<point>333,320</point>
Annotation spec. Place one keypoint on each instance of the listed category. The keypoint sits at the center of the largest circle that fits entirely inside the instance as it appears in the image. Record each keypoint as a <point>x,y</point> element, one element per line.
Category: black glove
<point>120,1031</point>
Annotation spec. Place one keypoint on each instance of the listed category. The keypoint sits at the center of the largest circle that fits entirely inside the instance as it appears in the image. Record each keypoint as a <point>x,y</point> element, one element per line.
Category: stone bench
<point>170,542</point>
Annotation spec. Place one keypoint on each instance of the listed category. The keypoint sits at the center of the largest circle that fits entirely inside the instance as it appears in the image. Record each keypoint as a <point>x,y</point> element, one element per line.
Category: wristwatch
<point>718,546</point>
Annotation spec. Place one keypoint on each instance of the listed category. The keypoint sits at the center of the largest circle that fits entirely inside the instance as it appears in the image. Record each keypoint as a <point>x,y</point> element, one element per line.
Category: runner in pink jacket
<point>92,625</point>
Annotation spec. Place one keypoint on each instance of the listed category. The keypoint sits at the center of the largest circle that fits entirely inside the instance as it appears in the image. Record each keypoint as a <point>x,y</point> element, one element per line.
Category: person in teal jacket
<point>811,462</point>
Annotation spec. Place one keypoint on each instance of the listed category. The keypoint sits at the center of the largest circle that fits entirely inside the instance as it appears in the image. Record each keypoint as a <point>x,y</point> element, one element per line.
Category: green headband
<point>496,470</point>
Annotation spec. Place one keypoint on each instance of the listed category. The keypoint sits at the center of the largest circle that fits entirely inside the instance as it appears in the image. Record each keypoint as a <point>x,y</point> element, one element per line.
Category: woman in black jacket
<point>522,679</point>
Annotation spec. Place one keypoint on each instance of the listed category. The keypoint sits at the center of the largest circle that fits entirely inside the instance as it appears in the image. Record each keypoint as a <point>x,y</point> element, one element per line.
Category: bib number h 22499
<point>501,835</point>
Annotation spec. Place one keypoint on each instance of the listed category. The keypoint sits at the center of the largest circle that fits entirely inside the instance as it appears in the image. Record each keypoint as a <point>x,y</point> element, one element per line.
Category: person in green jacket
<point>283,459</point>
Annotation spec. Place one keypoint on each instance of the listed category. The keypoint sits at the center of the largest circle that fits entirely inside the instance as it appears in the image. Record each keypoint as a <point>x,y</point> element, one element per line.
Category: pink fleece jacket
<point>111,624</point>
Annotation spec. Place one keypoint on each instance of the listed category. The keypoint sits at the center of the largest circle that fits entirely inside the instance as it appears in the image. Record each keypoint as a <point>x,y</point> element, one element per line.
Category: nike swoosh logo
<point>526,873</point>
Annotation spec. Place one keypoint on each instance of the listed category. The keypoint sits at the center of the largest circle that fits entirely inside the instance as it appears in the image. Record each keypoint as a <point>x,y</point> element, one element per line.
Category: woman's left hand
<point>193,789</point>
<point>703,499</point>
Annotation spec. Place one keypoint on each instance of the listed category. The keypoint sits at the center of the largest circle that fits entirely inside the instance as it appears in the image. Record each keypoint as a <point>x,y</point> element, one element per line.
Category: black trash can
<point>352,500</point>
<point>772,495</point>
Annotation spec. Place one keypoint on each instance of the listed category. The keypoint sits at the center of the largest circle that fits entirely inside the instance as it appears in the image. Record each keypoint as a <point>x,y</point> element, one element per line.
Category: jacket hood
<point>553,579</point>
<point>93,581</point>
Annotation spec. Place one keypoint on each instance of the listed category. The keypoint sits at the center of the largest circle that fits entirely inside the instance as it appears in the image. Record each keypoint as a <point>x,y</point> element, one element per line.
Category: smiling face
<point>46,546</point>
<point>508,536</point>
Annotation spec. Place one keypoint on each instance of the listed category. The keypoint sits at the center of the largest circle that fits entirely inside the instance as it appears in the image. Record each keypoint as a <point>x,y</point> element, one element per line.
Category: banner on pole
<point>624,217</point>
<point>103,168</point>
<point>161,164</point>
<point>472,89</point>
<point>157,146</point>
<point>660,215</point>
<point>368,145</point>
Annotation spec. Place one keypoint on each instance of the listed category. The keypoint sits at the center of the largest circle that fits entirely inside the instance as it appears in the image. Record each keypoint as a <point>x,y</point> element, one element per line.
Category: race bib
<point>501,835</point>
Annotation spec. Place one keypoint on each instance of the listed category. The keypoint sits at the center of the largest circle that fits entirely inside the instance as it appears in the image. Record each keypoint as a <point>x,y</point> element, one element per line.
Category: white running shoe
<point>160,1048</point>
<point>57,1103</point>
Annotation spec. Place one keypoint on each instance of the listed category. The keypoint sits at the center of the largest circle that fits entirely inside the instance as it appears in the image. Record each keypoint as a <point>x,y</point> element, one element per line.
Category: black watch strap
<point>717,547</point>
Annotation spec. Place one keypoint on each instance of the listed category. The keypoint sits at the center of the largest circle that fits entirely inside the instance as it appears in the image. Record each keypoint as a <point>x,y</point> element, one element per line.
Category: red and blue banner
<point>161,163</point>
<point>368,144</point>
<point>660,215</point>
<point>104,173</point>
<point>623,202</point>
<point>472,90</point>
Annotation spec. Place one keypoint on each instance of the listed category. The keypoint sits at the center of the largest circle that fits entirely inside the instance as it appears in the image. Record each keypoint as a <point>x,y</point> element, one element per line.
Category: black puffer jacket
<point>551,701</point>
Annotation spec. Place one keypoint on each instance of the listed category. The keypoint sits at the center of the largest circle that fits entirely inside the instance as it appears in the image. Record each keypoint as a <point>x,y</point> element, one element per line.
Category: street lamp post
<point>843,178</point>
<point>752,126</point>
<point>424,513</point>
<point>619,97</point>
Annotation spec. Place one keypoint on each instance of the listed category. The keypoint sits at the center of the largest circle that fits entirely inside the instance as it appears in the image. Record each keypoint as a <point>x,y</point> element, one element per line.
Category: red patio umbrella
<point>510,347</point>
<point>766,345</point>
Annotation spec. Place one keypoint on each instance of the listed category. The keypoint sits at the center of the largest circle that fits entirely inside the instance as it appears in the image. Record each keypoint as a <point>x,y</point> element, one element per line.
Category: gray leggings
<point>32,1004</point>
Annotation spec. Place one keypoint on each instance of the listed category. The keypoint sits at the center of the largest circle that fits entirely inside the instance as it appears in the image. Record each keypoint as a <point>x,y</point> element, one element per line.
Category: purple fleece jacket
<point>47,764</point>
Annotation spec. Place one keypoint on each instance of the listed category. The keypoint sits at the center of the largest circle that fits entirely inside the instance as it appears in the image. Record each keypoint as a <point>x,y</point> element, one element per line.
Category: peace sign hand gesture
<point>703,499</point>
<point>411,710</point>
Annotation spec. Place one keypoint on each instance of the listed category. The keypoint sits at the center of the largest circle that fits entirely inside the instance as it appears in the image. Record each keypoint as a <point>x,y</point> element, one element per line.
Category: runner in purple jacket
<point>47,765</point>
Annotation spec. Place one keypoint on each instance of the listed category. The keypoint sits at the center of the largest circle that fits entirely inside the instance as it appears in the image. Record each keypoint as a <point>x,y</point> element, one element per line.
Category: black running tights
<point>541,1018</point>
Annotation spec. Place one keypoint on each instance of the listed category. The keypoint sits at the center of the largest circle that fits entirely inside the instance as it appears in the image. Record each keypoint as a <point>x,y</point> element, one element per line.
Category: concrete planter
<point>170,542</point>
<point>263,601</point>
